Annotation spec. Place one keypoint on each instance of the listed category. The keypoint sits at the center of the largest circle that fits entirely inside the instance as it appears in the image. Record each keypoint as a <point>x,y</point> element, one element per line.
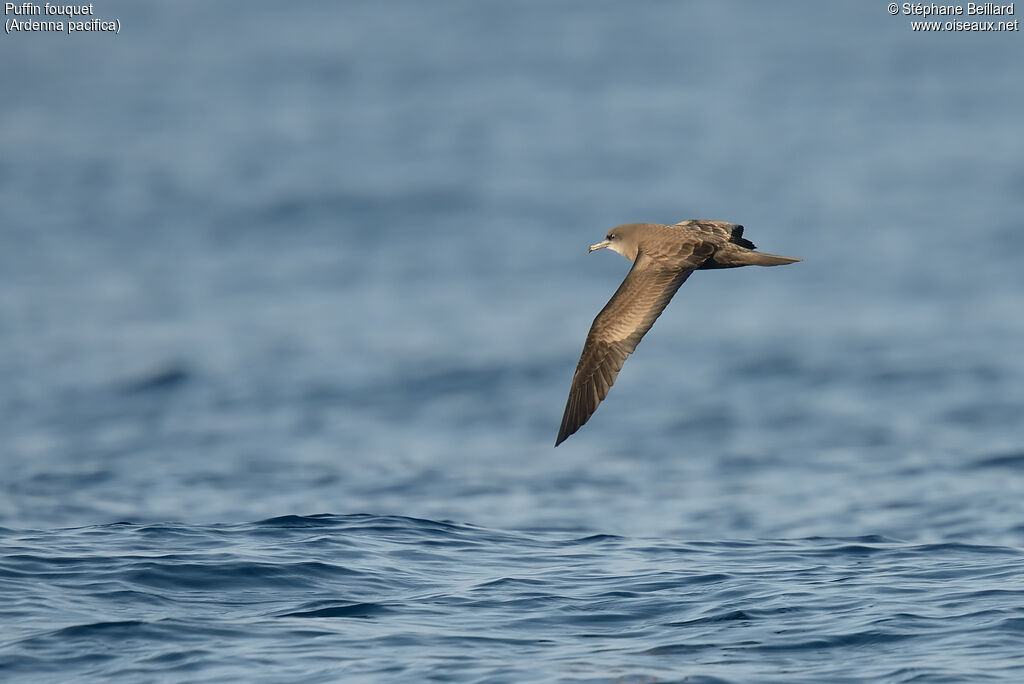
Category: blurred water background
<point>292,296</point>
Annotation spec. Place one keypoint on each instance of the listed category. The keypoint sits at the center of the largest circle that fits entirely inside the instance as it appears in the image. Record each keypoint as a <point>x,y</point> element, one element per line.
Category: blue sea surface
<point>292,296</point>
<point>372,598</point>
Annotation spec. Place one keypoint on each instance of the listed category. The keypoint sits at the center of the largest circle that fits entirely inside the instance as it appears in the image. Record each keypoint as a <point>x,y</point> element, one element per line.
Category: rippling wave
<point>369,597</point>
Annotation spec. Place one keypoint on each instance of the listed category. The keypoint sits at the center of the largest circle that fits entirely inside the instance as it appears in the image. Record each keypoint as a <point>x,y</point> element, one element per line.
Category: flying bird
<point>663,258</point>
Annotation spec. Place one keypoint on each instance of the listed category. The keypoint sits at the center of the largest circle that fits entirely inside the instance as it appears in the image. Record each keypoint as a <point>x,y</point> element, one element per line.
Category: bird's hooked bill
<point>599,245</point>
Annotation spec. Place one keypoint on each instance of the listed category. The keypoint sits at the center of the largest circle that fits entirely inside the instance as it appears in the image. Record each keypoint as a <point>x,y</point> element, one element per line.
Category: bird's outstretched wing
<point>620,326</point>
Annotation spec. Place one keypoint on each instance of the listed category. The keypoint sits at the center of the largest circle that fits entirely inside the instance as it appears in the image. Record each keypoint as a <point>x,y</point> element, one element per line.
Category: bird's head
<point>620,239</point>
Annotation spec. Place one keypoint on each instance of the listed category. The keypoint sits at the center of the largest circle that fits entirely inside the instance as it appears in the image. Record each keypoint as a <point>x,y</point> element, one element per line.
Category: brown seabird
<point>663,258</point>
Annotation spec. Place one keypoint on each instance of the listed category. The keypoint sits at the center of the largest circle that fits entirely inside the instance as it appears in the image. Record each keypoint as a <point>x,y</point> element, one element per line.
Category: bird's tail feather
<point>763,259</point>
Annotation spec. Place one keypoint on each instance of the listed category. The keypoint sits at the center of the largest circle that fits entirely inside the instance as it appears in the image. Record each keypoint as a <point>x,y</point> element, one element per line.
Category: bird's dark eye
<point>609,236</point>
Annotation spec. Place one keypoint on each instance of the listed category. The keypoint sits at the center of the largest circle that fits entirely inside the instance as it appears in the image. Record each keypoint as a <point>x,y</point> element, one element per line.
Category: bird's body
<point>663,258</point>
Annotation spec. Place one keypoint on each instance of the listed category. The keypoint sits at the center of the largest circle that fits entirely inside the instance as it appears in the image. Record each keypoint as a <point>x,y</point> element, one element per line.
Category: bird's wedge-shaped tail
<point>663,258</point>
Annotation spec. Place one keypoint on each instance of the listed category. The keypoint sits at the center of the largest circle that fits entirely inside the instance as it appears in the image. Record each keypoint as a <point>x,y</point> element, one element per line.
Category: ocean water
<point>292,297</point>
<point>376,598</point>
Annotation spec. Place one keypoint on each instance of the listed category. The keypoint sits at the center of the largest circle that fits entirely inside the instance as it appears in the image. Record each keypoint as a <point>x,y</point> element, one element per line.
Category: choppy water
<point>368,598</point>
<point>291,302</point>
